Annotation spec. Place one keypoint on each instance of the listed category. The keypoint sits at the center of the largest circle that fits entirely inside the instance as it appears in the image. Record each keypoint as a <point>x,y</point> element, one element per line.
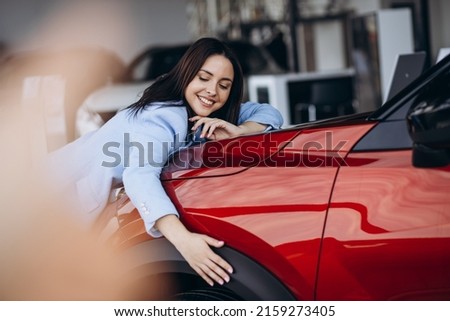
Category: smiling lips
<point>206,101</point>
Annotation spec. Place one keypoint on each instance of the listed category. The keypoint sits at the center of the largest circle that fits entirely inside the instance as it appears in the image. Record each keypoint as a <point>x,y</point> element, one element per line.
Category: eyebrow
<point>210,73</point>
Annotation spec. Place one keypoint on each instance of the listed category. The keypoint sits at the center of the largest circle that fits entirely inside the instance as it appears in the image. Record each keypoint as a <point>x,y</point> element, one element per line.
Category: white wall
<point>329,39</point>
<point>329,46</point>
<point>124,27</point>
<point>438,19</point>
<point>439,25</point>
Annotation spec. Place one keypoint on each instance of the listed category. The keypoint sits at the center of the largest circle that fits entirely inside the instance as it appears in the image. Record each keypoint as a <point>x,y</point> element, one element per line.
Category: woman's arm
<point>260,113</point>
<point>215,128</point>
<point>253,118</point>
<point>151,141</point>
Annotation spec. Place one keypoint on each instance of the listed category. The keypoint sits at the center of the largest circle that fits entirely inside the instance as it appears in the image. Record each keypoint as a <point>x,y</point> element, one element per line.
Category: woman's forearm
<point>173,230</point>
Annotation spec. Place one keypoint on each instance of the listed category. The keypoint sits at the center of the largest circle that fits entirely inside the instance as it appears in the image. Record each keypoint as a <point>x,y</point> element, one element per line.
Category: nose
<point>211,90</point>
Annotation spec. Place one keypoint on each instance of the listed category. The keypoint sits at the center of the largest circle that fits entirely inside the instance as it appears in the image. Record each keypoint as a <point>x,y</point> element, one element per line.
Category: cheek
<point>189,93</point>
<point>188,90</point>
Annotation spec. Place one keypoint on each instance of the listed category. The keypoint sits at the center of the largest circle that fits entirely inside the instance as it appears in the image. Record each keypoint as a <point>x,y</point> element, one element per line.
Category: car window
<point>392,132</point>
<point>397,107</point>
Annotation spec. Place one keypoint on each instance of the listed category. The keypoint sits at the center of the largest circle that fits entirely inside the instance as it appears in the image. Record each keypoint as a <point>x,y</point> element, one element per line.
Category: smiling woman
<point>202,93</point>
<point>210,89</point>
<point>207,64</point>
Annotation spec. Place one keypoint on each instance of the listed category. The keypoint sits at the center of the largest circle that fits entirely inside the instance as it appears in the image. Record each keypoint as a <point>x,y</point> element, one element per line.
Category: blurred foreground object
<point>46,255</point>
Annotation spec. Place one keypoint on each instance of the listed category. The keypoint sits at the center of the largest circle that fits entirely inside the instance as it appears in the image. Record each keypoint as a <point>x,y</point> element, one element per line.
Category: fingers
<point>212,241</point>
<point>211,273</point>
<point>199,121</point>
<point>212,125</point>
<point>203,275</point>
<point>195,118</point>
<point>210,266</point>
<point>218,261</point>
<point>209,125</point>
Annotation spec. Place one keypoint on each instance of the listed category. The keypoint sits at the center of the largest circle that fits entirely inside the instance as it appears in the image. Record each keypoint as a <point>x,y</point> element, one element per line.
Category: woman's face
<point>211,87</point>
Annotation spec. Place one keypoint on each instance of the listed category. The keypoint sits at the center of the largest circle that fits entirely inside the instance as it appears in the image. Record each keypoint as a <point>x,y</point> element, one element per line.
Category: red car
<point>350,208</point>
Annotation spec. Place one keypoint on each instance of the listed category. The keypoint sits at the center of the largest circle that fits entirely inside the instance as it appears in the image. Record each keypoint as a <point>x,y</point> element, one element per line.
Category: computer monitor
<point>407,68</point>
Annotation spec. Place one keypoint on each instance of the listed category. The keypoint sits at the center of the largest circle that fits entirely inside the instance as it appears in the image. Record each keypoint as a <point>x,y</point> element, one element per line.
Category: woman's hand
<point>210,266</point>
<point>215,128</point>
<point>195,248</point>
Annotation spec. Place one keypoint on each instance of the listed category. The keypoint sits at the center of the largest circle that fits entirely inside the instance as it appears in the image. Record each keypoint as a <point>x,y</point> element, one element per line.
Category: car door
<point>387,234</point>
<point>388,231</point>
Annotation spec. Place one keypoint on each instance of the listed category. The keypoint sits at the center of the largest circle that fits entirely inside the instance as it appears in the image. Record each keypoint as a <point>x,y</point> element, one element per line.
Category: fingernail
<point>230,270</point>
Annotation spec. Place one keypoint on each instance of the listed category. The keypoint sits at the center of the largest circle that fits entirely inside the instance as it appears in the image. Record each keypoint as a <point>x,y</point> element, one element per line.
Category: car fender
<point>249,279</point>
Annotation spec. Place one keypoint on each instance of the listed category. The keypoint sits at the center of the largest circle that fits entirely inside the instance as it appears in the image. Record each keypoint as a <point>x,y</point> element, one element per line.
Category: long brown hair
<point>171,86</point>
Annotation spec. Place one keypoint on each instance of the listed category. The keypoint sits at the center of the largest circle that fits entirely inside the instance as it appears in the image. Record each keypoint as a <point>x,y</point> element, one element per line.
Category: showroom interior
<point>68,66</point>
<point>305,40</point>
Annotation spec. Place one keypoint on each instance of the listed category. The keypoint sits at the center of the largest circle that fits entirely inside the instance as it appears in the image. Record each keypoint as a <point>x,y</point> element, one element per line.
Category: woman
<point>202,93</point>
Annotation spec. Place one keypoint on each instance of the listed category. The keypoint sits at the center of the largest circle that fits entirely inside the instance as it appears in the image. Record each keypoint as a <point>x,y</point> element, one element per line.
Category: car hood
<point>112,98</point>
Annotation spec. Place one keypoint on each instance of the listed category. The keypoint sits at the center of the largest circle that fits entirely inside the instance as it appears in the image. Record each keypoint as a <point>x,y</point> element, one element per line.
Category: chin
<point>205,112</point>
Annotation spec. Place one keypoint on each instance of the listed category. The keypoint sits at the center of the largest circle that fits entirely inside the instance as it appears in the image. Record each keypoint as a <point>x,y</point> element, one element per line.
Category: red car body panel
<point>366,234</point>
<point>308,209</point>
<point>274,216</point>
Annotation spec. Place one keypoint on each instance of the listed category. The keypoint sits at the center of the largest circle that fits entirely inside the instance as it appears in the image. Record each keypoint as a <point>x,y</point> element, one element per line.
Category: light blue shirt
<point>133,150</point>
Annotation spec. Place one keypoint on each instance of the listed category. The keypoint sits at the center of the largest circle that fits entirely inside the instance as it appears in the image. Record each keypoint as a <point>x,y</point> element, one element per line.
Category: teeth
<point>206,101</point>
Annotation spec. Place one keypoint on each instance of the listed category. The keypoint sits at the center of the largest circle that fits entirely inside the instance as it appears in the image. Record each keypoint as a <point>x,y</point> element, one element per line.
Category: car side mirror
<point>429,125</point>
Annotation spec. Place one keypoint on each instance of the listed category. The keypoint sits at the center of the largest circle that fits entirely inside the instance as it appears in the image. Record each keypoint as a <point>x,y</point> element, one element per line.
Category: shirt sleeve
<point>151,143</point>
<point>261,113</point>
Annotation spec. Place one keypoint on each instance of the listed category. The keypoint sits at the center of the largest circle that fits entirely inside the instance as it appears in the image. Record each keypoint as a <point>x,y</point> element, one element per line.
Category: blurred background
<point>67,66</point>
<point>58,54</point>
